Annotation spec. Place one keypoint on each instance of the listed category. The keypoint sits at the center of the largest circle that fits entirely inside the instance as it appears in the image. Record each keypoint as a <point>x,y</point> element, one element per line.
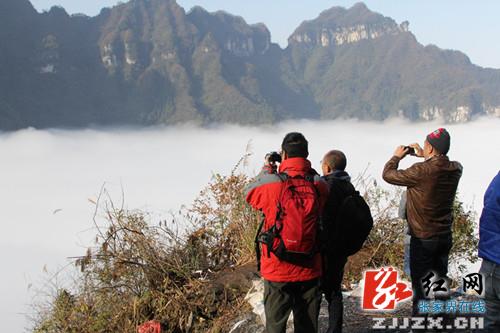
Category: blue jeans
<point>491,273</point>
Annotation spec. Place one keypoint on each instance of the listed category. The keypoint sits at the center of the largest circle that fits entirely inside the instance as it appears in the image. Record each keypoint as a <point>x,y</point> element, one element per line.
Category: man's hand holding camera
<point>413,150</point>
<point>417,150</point>
<point>271,161</point>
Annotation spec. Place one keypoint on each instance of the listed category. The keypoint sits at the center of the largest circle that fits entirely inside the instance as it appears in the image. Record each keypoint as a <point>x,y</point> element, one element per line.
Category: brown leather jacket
<point>432,186</point>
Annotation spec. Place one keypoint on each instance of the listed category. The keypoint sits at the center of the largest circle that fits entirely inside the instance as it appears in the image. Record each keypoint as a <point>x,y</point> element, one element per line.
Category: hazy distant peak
<point>338,26</point>
<point>236,21</point>
<point>13,7</point>
<point>197,10</point>
<point>359,6</point>
<point>232,32</point>
<point>153,5</point>
<point>58,11</point>
<point>154,2</point>
<point>342,17</point>
<point>361,9</point>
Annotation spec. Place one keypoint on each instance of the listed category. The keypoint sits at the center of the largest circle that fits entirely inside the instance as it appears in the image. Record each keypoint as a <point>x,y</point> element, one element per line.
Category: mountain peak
<point>338,26</point>
<point>58,11</point>
<point>232,32</point>
<point>16,6</point>
<point>359,13</point>
<point>198,10</point>
<point>360,6</point>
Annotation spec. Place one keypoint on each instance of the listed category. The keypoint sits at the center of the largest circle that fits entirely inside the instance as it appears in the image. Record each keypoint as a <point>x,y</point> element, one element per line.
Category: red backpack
<point>294,236</point>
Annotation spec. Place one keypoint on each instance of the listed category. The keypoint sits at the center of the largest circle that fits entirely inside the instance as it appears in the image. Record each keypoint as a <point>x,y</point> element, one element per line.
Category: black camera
<point>274,157</point>
<point>411,150</point>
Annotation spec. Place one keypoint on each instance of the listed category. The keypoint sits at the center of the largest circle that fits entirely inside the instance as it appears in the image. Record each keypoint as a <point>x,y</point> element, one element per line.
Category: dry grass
<point>138,271</point>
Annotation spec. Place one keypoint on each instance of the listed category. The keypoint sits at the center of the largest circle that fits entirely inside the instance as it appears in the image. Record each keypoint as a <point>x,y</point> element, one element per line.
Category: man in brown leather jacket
<point>432,187</point>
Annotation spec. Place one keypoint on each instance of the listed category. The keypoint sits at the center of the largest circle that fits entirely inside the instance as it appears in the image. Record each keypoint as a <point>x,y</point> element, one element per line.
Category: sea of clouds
<point>47,178</point>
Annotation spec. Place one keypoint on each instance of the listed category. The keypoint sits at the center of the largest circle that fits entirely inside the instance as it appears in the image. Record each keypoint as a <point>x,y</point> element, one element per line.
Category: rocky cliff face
<point>338,26</point>
<point>232,33</point>
<point>347,35</point>
<point>149,62</point>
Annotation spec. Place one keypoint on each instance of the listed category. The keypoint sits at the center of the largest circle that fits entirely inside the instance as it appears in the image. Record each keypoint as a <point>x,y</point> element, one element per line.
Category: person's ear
<point>431,149</point>
<point>284,155</point>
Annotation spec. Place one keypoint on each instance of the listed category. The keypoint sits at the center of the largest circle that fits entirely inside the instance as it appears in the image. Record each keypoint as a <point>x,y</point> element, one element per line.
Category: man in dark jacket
<point>287,286</point>
<point>431,189</point>
<point>334,258</point>
<point>489,250</point>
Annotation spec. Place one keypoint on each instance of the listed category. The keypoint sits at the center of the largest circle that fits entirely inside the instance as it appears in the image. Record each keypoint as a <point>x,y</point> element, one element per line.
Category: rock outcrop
<point>347,35</point>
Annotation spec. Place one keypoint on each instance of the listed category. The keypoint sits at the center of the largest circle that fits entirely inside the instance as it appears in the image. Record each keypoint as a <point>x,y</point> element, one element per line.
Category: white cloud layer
<point>47,178</point>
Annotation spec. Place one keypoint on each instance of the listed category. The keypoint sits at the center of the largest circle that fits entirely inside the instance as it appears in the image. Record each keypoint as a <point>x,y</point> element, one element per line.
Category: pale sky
<point>472,27</point>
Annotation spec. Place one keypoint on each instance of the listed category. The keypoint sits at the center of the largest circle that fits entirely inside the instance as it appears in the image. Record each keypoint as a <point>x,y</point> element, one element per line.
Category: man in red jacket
<point>289,286</point>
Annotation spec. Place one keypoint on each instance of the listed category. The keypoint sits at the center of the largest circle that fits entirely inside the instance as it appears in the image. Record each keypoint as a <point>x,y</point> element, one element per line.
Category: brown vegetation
<point>195,281</point>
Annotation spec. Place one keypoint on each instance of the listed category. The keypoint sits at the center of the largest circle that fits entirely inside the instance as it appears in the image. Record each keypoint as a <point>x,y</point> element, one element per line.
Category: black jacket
<point>340,186</point>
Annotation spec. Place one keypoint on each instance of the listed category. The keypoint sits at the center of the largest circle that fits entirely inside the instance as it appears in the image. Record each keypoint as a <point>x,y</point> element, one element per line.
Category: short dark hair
<point>295,145</point>
<point>336,160</point>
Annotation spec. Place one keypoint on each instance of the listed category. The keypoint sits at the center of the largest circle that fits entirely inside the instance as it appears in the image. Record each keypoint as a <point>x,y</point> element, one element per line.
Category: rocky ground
<point>358,321</point>
<point>355,320</point>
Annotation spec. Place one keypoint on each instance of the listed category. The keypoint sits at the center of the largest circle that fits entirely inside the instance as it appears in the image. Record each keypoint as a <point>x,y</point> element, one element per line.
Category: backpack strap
<point>310,178</point>
<point>279,210</point>
<point>267,237</point>
<point>258,253</point>
<point>283,176</point>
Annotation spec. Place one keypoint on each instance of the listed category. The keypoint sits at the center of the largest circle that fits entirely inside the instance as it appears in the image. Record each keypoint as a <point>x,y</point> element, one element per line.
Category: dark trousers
<point>281,298</point>
<point>427,255</point>
<point>331,286</point>
<point>491,273</point>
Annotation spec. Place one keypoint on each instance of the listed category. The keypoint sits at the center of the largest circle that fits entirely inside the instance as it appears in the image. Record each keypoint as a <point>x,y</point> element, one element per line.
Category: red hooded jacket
<point>263,194</point>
